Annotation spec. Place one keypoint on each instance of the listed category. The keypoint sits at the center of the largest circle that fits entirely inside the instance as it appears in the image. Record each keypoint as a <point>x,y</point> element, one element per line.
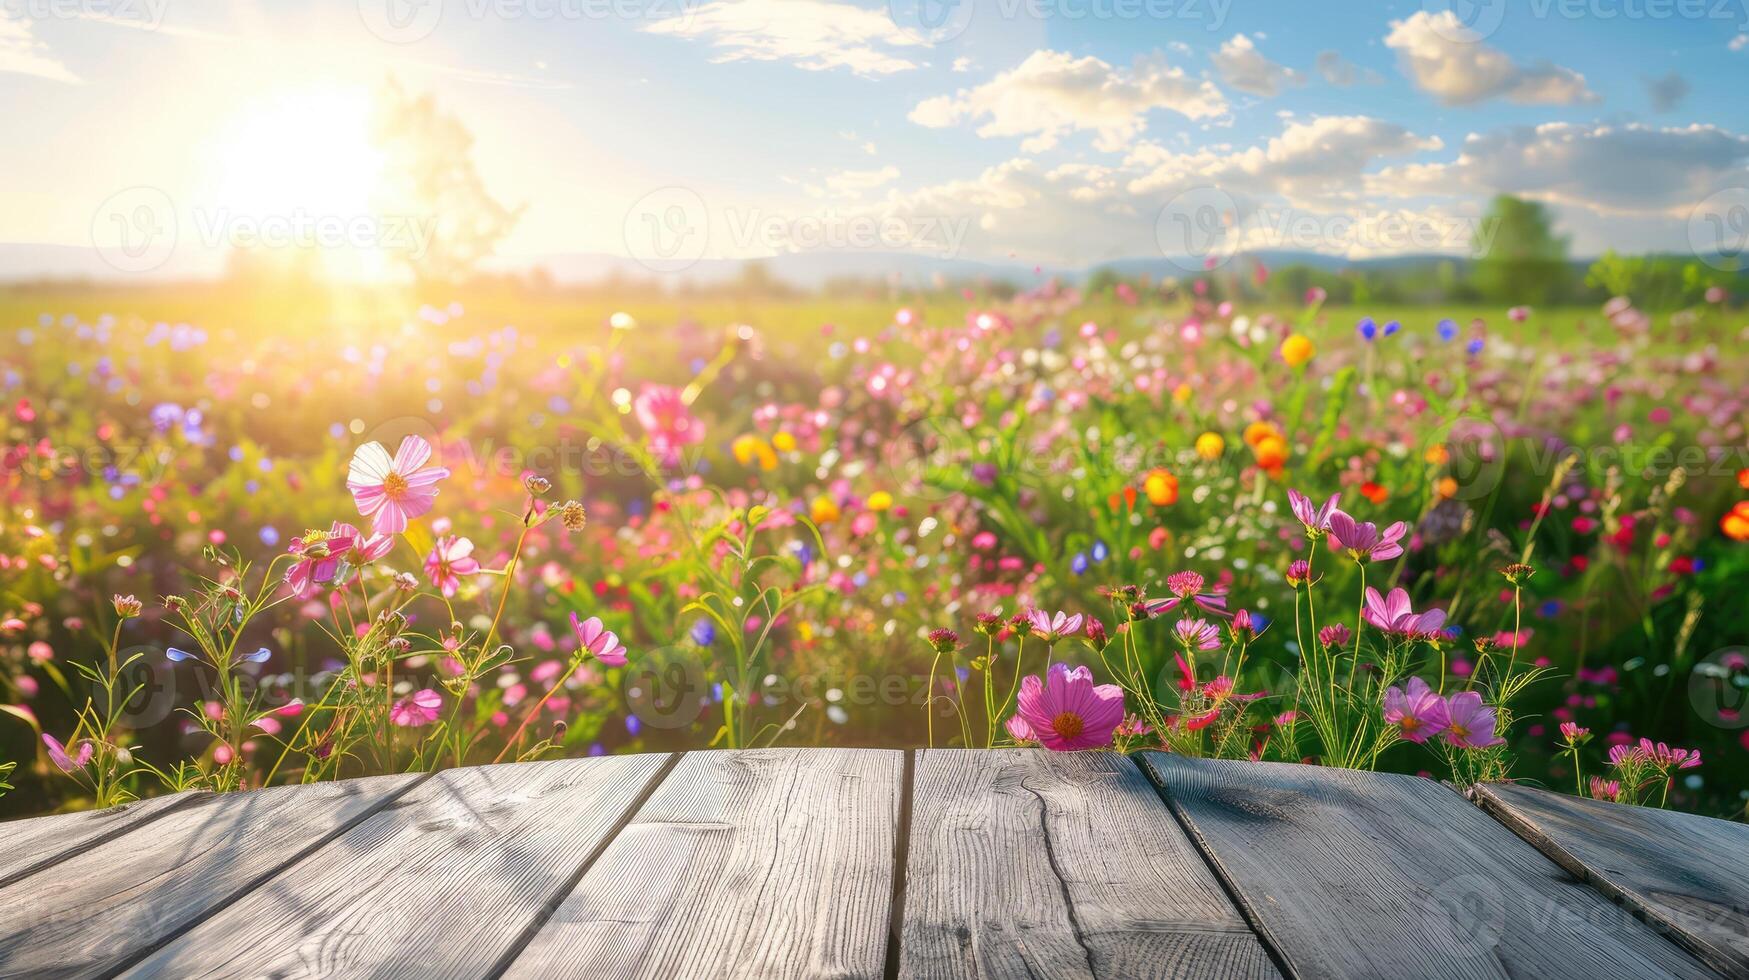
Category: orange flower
<point>1210,446</point>
<point>1437,454</point>
<point>1736,523</point>
<point>1161,487</point>
<point>1743,478</point>
<point>823,509</point>
<point>1374,492</point>
<point>1271,452</point>
<point>1256,432</point>
<point>1446,487</point>
<point>1296,350</point>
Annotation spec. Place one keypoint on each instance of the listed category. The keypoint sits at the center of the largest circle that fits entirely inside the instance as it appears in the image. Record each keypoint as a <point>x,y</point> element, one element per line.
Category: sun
<point>298,169</point>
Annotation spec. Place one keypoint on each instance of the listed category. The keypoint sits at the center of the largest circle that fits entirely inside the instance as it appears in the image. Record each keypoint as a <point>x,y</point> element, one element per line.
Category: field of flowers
<point>1501,543</point>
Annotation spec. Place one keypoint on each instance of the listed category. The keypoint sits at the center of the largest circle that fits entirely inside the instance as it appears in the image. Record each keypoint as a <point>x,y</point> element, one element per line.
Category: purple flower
<point>1418,712</point>
<point>1316,519</point>
<point>1189,586</point>
<point>1392,614</point>
<point>1067,711</point>
<point>1053,627</point>
<point>1470,723</point>
<point>1363,541</point>
<point>65,763</point>
<point>1196,634</point>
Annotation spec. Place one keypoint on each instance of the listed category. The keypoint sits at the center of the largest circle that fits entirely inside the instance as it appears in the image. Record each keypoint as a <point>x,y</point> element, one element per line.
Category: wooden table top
<point>846,863</point>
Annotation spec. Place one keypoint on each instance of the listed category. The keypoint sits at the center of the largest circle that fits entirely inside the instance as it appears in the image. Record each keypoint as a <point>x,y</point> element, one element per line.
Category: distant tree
<point>445,220</point>
<point>1103,280</point>
<point>1655,282</point>
<point>1519,258</point>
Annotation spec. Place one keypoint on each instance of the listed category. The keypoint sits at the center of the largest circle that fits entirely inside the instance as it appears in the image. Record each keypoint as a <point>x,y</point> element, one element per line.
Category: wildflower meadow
<point>1494,544</point>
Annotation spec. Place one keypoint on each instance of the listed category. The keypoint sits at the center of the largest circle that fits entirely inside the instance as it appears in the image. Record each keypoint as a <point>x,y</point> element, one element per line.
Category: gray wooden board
<point>1025,863</point>
<point>1354,874</point>
<point>1689,875</point>
<point>760,864</point>
<point>441,883</point>
<point>112,902</point>
<point>37,842</point>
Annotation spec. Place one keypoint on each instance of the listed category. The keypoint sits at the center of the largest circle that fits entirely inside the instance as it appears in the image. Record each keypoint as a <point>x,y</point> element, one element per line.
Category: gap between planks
<point>558,897</point>
<point>162,941</point>
<point>901,862</point>
<point>125,826</point>
<point>1246,912</point>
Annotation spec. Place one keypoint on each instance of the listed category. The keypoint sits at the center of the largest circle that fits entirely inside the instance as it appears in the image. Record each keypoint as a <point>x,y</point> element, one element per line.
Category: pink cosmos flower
<point>1605,789</point>
<point>1019,730</point>
<point>417,710</point>
<point>1420,713</point>
<point>595,638</point>
<point>1573,731</point>
<point>1363,541</point>
<point>1189,586</point>
<point>392,491</point>
<point>1470,723</point>
<point>1664,756</point>
<point>670,426</point>
<point>65,763</point>
<point>1315,519</point>
<point>1392,614</point>
<point>1067,711</point>
<point>1052,627</point>
<point>1196,634</point>
<point>451,558</point>
<point>1336,636</point>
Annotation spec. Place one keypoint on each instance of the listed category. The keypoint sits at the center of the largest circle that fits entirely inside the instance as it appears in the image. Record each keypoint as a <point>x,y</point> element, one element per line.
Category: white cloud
<point>1242,66</point>
<point>962,64</point>
<point>853,183</point>
<point>1052,94</point>
<point>1338,70</point>
<point>1739,42</point>
<point>1449,61</point>
<point>1614,169</point>
<point>23,54</point>
<point>1316,163</point>
<point>817,35</point>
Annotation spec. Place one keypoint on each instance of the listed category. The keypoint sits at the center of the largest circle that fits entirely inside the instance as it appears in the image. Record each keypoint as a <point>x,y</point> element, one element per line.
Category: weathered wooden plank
<point>760,864</point>
<point>1687,874</point>
<point>1353,874</point>
<point>107,905</point>
<point>38,842</point>
<point>1033,864</point>
<point>442,883</point>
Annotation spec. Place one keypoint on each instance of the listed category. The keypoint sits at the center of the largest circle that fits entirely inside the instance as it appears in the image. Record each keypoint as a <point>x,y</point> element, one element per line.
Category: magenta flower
<point>670,426</point>
<point>316,561</point>
<point>1019,730</point>
<point>1363,541</point>
<point>1418,712</point>
<point>598,641</point>
<point>1196,634</point>
<point>1189,587</point>
<point>1067,711</point>
<point>393,491</point>
<point>1052,627</point>
<point>65,763</point>
<point>1470,723</point>
<point>417,710</point>
<point>1666,757</point>
<point>1392,614</point>
<point>1335,636</point>
<point>1315,519</point>
<point>451,558</point>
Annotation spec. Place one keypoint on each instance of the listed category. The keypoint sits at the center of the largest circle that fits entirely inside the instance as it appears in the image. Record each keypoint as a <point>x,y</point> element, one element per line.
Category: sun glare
<point>298,170</point>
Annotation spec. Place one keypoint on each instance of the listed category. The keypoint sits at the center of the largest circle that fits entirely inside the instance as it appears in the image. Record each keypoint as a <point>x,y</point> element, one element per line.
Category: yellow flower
<point>1182,393</point>
<point>1296,350</point>
<point>880,500</point>
<point>1210,445</point>
<point>784,442</point>
<point>824,510</point>
<point>749,449</point>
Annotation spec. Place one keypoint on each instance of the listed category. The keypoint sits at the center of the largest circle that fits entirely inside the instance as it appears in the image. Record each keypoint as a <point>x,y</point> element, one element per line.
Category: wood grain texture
<point>106,905</point>
<point>442,883</point>
<point>1027,863</point>
<point>760,864</point>
<point>1353,874</point>
<point>38,842</point>
<point>1687,874</point>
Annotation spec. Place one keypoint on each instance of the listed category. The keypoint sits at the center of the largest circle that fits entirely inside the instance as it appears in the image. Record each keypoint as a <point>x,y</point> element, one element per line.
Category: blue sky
<point>1063,132</point>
